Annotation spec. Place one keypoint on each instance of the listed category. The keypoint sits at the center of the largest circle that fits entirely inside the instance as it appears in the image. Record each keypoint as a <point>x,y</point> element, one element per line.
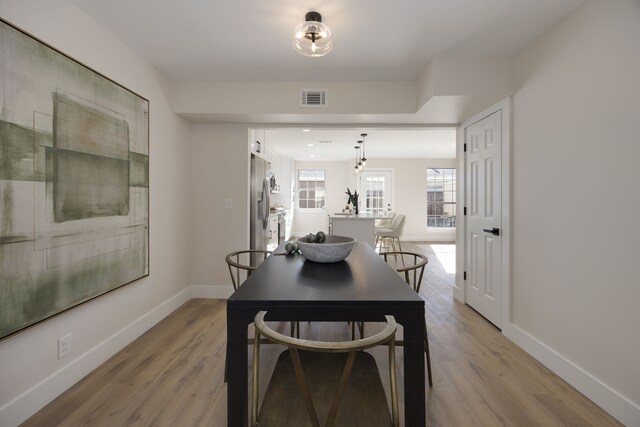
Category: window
<point>310,189</point>
<point>441,198</point>
<point>374,194</point>
<point>376,188</point>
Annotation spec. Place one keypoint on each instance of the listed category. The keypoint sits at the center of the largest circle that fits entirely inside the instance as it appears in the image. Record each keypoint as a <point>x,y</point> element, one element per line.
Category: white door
<point>376,190</point>
<point>483,201</point>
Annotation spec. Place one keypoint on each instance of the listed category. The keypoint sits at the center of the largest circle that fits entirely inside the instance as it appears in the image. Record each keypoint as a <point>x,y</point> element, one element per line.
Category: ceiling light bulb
<point>309,145</point>
<point>316,36</point>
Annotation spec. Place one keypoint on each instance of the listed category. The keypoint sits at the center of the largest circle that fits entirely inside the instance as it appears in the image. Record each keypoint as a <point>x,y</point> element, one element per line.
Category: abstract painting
<point>74,182</point>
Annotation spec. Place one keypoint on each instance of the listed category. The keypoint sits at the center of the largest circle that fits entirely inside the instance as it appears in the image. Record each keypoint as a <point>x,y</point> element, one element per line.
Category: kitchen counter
<point>358,216</point>
<point>361,227</point>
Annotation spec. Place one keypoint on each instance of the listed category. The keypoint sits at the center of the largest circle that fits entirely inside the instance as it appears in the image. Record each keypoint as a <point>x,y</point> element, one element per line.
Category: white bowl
<point>334,249</point>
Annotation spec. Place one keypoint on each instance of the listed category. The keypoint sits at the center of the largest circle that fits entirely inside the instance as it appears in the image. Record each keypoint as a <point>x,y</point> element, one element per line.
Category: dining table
<point>363,287</point>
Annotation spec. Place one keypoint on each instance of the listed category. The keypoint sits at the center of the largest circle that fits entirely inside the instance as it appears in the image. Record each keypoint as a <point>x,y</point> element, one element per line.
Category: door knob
<point>495,231</point>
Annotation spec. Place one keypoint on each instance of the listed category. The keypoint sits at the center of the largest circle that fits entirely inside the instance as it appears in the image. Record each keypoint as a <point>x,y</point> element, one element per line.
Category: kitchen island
<point>361,227</point>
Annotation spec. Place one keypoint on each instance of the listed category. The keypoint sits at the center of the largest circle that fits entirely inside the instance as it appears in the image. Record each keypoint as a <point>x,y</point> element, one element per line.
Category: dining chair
<point>413,274</point>
<point>241,264</point>
<point>312,380</point>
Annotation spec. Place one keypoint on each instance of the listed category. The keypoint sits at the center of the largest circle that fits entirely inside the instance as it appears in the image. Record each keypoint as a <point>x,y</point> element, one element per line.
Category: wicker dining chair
<point>240,271</point>
<point>242,263</point>
<point>413,272</point>
<point>312,380</point>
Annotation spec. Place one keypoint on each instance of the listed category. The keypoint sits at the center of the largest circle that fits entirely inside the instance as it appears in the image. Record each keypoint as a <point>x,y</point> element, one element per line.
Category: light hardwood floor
<point>173,374</point>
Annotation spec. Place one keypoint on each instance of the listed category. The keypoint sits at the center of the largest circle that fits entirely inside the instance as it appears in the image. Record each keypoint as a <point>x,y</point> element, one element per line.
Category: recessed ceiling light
<point>306,130</point>
<point>311,155</point>
<point>309,145</point>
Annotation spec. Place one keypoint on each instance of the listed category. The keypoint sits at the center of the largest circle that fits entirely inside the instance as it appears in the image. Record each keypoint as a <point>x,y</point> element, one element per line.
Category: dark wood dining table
<point>361,288</point>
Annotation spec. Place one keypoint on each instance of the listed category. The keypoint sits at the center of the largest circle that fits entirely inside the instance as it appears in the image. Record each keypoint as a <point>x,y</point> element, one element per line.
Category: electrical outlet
<point>64,346</point>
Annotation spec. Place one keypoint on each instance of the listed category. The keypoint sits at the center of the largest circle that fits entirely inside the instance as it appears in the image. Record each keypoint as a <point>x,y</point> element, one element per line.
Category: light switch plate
<point>228,204</point>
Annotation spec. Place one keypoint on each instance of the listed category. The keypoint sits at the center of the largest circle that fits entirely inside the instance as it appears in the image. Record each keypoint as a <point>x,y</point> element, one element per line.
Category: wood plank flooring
<point>173,374</point>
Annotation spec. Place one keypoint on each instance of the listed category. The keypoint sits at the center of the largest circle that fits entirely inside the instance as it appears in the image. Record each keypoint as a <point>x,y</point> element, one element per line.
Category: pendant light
<point>363,159</point>
<point>357,168</point>
<point>313,38</point>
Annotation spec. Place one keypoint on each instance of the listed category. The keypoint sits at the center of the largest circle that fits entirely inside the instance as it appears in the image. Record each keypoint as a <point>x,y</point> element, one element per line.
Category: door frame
<point>459,291</point>
<point>393,182</point>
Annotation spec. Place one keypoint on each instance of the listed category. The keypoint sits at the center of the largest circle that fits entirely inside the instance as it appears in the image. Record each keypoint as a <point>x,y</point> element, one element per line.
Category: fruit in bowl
<point>324,249</point>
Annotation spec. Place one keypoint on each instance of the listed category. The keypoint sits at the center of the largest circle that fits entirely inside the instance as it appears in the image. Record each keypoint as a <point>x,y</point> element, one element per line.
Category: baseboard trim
<point>22,407</point>
<point>212,292</point>
<point>458,294</point>
<point>621,408</point>
<point>31,401</point>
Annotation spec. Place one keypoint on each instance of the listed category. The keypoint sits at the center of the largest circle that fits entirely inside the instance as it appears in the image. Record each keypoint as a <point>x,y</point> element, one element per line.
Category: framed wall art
<point>74,182</point>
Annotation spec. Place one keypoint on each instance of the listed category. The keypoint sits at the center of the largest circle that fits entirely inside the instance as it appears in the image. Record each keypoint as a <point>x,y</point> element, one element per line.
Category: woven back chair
<point>413,272</point>
<point>312,378</point>
<point>242,263</point>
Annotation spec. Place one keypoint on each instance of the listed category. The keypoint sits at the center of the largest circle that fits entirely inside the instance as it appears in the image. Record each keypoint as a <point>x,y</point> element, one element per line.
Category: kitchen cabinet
<point>257,145</point>
<point>283,177</point>
<point>270,155</point>
<point>280,166</point>
<point>275,166</point>
<point>361,228</point>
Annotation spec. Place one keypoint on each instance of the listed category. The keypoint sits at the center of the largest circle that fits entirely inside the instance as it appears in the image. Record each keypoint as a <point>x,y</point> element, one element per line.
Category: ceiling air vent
<point>313,98</point>
<point>325,141</point>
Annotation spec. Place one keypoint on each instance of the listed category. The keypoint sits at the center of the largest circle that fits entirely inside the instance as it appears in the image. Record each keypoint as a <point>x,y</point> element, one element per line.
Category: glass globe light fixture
<point>363,158</point>
<point>313,38</point>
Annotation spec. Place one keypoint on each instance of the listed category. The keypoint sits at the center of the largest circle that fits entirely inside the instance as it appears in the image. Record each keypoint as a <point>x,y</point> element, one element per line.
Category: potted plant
<point>353,200</point>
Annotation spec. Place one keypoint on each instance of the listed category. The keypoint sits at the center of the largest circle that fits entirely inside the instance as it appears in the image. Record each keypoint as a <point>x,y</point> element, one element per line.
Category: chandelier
<point>361,160</point>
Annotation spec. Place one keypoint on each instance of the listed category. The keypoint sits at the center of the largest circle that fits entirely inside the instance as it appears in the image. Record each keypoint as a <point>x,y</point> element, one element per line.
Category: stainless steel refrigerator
<point>259,228</point>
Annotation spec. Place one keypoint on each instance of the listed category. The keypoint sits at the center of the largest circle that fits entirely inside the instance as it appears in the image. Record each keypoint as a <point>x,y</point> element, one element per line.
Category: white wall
<point>576,199</point>
<point>30,374</point>
<point>284,97</point>
<point>338,177</point>
<point>220,171</point>
<point>410,196</point>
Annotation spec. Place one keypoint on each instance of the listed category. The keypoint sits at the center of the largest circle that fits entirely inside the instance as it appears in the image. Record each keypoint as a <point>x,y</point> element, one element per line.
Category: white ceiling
<point>435,143</point>
<point>251,40</point>
<point>374,40</point>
